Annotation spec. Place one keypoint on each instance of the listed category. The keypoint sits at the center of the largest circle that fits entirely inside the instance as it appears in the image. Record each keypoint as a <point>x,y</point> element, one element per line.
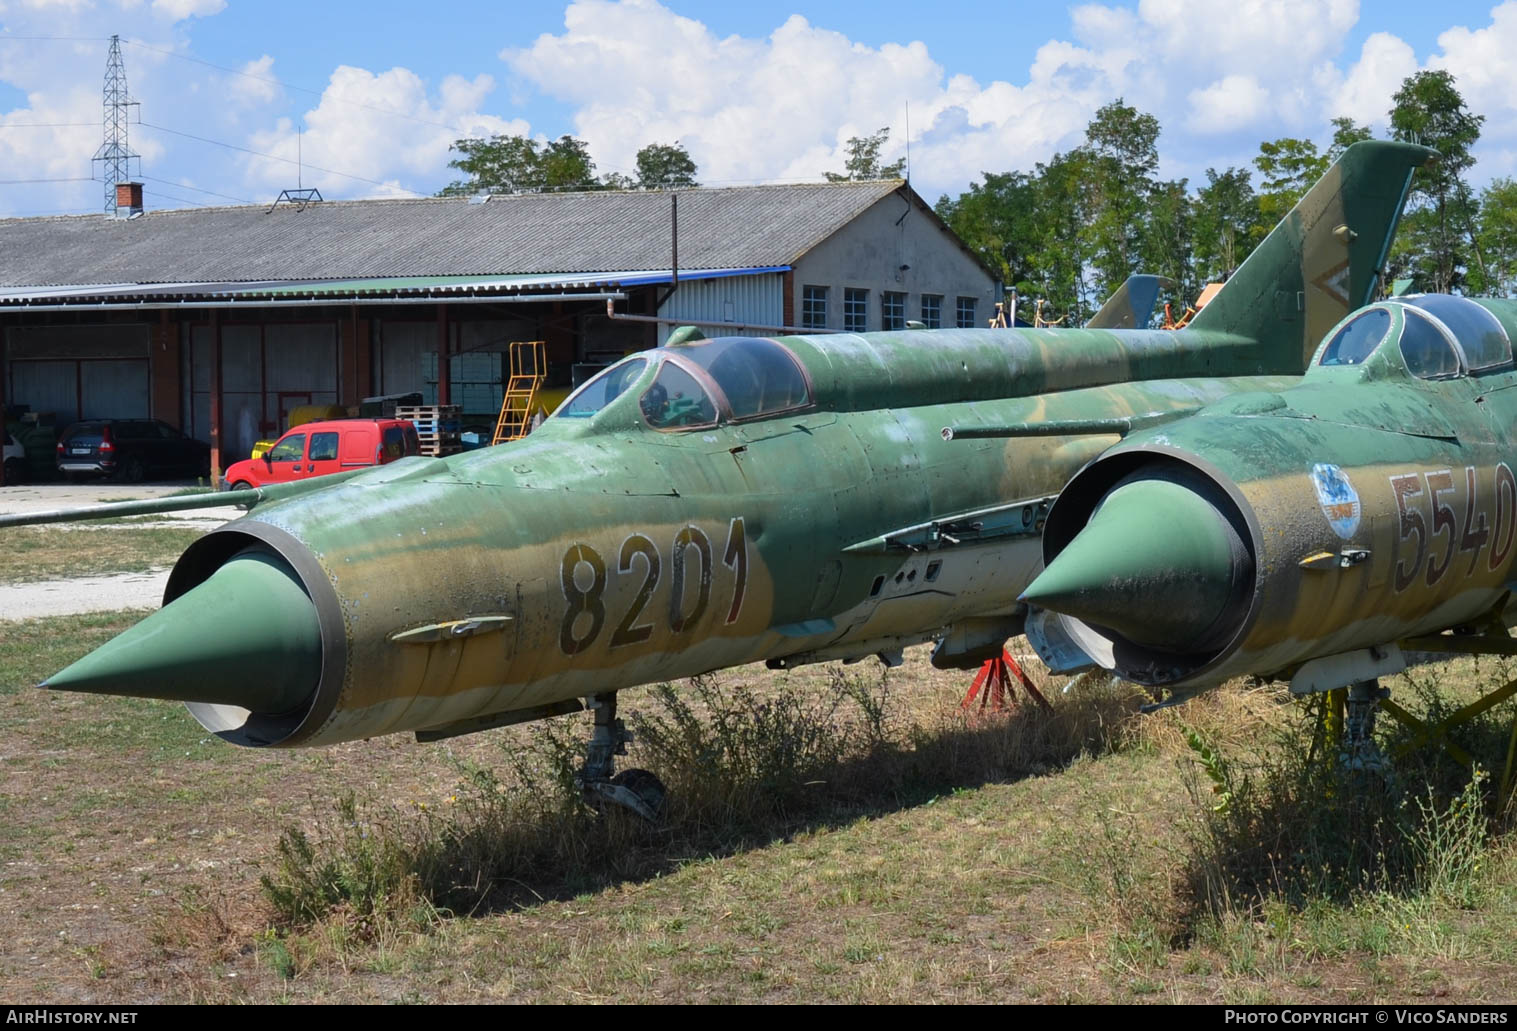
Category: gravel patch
<point>86,594</point>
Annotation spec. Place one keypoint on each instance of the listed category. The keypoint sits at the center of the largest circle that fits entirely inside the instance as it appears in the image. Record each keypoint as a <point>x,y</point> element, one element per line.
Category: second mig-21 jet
<point>1324,535</point>
<point>710,504</point>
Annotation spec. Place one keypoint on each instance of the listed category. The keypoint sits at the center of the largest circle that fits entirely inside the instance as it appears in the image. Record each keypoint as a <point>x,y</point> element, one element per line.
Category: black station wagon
<point>131,450</point>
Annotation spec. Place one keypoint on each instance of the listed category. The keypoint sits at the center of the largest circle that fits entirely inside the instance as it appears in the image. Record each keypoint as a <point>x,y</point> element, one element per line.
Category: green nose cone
<point>248,636</point>
<point>1157,563</point>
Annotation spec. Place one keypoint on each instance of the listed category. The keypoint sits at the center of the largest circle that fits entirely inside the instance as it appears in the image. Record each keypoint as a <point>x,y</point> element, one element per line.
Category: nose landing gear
<point>634,789</point>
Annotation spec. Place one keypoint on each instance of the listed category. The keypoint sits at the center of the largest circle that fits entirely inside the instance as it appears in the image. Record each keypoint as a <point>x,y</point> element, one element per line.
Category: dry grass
<point>906,853</point>
<point>32,553</point>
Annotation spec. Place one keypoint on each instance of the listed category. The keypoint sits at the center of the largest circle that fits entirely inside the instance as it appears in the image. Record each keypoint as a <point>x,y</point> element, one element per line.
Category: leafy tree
<point>1345,134</point>
<point>998,219</point>
<point>1061,253</point>
<point>1227,222</point>
<point>663,165</point>
<point>1126,137</point>
<point>515,164</point>
<point>1439,233</point>
<point>1288,168</point>
<point>1497,237</point>
<point>1169,236</point>
<point>864,160</point>
<point>1121,154</point>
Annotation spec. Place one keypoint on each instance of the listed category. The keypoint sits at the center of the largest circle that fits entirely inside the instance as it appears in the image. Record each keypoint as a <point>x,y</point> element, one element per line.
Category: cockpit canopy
<point>701,383</point>
<point>1441,337</point>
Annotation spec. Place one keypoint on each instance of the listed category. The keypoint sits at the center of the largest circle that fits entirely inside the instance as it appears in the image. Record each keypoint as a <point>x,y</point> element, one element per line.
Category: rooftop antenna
<point>300,196</point>
<point>908,141</point>
<point>114,155</point>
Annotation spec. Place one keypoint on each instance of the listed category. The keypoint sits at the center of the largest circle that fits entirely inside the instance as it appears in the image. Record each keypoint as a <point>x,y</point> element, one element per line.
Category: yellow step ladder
<point>529,368</point>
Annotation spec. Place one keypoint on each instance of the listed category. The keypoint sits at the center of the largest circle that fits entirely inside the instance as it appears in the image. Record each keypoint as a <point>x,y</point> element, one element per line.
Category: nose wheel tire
<point>637,790</point>
<point>647,788</point>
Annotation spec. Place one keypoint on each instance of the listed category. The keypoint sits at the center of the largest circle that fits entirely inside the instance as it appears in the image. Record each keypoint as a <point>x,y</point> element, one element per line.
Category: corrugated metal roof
<point>450,288</point>
<point>727,228</point>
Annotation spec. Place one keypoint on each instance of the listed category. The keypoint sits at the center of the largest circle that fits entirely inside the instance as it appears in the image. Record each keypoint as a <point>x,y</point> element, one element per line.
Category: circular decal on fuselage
<point>1339,500</point>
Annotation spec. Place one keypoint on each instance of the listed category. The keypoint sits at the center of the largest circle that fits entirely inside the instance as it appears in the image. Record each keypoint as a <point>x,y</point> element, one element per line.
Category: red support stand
<point>995,680</point>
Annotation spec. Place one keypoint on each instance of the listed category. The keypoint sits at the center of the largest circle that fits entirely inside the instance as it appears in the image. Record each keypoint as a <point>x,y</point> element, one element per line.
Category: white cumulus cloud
<point>1481,61</point>
<point>785,105</point>
<point>1364,94</point>
<point>383,132</point>
<point>178,10</point>
<point>1231,102</point>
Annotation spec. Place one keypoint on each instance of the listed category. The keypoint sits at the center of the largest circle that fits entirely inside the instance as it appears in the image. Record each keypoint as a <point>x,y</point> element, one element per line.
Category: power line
<point>33,182</point>
<point>47,125</point>
<point>299,89</point>
<point>197,189</point>
<point>40,212</point>
<point>185,200</point>
<point>267,79</point>
<point>275,157</point>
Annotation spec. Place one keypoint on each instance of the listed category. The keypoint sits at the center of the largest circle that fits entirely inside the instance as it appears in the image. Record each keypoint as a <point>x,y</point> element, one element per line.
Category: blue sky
<point>755,93</point>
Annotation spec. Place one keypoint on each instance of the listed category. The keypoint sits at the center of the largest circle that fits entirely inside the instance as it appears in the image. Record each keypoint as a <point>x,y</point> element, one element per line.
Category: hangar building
<point>152,314</point>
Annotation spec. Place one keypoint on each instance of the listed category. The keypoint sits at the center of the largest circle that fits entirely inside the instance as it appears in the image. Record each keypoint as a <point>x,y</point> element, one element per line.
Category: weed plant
<point>1297,823</point>
<point>741,767</point>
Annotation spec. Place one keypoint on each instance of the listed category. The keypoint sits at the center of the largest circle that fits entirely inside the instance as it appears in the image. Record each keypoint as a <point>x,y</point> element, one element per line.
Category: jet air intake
<point>247,637</point>
<point>1151,565</point>
<point>1194,554</point>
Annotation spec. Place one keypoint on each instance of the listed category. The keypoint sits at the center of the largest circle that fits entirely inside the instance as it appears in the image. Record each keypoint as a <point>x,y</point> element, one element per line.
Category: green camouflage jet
<point>710,504</point>
<point>1302,533</point>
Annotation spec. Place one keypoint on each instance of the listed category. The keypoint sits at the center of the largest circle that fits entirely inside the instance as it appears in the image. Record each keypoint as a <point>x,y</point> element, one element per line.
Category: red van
<point>319,448</point>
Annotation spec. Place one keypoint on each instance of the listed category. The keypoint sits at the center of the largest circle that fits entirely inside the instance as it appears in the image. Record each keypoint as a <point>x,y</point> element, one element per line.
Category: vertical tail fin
<point>1323,260</point>
<point>1132,305</point>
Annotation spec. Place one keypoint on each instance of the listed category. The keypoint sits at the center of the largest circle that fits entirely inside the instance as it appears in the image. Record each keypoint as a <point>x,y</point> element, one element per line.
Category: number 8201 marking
<point>637,547</point>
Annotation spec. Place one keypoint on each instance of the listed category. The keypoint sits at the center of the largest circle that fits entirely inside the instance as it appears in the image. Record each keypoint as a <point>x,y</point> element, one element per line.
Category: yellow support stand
<point>1337,700</point>
<point>529,369</point>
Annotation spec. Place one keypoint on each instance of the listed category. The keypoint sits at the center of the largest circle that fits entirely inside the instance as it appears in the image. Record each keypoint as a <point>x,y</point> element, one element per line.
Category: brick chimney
<point>128,199</point>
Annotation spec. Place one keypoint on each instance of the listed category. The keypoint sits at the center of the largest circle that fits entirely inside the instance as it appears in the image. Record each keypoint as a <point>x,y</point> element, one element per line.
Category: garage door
<point>85,388</point>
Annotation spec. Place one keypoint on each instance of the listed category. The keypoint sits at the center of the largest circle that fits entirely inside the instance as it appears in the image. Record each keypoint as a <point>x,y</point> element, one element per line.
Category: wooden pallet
<point>437,427</point>
<point>429,412</point>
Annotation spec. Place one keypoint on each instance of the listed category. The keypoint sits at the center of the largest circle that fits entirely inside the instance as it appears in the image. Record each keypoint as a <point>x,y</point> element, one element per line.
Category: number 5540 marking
<point>638,550</point>
<point>1423,514</point>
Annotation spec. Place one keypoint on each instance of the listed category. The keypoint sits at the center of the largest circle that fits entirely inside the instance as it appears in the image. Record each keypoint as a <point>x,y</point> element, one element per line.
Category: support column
<point>4,400</point>
<point>215,399</point>
<point>164,371</point>
<point>558,337</point>
<point>444,373</point>
<point>353,360</point>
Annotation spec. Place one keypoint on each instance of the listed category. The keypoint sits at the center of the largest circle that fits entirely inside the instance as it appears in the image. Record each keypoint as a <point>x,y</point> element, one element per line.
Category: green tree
<point>517,164</point>
<point>1497,236</point>
<point>665,165</point>
<point>1169,236</point>
<point>1122,155</point>
<point>1346,133</point>
<point>1227,222</point>
<point>998,219</point>
<point>1061,246</point>
<point>1287,168</point>
<point>864,160</point>
<point>1439,231</point>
